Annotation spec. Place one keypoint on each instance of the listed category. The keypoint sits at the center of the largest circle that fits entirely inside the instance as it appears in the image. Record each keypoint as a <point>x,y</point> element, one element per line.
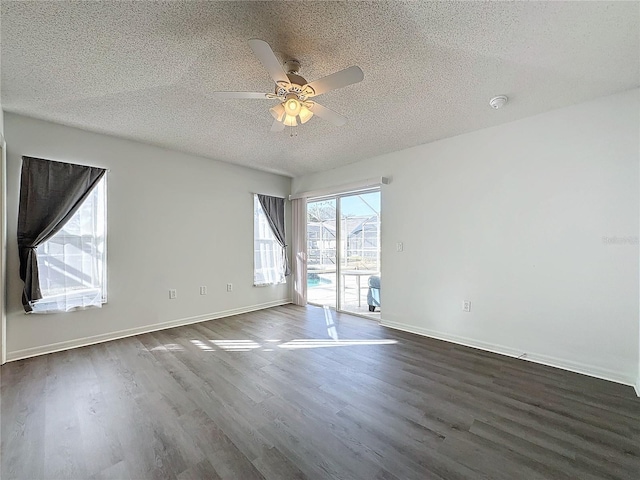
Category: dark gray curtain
<point>50,193</point>
<point>274,209</point>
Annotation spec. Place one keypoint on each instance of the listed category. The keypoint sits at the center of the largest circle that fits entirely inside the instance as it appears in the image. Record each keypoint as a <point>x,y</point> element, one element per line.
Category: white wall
<point>174,221</point>
<point>513,219</point>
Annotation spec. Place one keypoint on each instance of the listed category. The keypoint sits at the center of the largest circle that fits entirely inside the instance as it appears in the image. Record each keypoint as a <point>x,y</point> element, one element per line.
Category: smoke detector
<point>498,102</point>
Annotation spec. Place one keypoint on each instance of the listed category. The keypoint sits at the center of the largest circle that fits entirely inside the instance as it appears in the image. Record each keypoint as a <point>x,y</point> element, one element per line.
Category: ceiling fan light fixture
<point>290,121</point>
<point>278,112</point>
<point>293,91</point>
<point>305,115</point>
<point>292,105</point>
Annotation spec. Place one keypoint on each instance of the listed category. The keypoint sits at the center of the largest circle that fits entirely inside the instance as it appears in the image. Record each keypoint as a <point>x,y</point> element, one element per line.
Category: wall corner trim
<point>564,364</point>
<point>130,332</point>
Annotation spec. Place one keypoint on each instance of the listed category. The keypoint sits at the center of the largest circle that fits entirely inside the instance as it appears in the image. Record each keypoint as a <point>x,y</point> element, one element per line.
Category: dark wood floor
<point>271,394</point>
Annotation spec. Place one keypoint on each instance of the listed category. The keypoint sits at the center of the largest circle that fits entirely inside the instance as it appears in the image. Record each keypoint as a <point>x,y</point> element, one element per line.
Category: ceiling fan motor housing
<point>297,85</point>
<point>292,66</point>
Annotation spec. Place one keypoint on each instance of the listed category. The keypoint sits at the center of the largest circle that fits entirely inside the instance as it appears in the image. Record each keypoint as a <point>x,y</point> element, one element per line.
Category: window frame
<point>257,210</point>
<point>104,281</point>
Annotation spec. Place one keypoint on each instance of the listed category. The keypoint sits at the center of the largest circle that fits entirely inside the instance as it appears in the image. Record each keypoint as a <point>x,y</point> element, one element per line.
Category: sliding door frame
<point>3,249</point>
<point>339,278</point>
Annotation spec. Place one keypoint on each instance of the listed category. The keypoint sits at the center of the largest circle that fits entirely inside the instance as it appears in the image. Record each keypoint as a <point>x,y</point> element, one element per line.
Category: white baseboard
<point>106,337</point>
<point>590,370</point>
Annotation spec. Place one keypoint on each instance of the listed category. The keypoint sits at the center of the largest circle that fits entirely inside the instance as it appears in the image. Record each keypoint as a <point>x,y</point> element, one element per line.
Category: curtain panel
<point>50,193</point>
<point>299,250</point>
<point>274,210</point>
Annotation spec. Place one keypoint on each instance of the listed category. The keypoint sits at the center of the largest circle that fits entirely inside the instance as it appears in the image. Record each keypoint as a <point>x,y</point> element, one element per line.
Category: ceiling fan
<point>293,92</point>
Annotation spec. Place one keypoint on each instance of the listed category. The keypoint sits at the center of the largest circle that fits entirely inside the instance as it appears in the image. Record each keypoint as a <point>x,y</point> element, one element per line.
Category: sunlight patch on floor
<point>201,345</point>
<point>319,343</point>
<point>236,345</point>
<point>331,325</point>
<point>168,347</point>
<point>297,344</point>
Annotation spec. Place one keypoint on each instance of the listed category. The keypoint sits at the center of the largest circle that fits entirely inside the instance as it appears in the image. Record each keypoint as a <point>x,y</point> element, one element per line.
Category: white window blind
<point>72,263</point>
<point>268,257</point>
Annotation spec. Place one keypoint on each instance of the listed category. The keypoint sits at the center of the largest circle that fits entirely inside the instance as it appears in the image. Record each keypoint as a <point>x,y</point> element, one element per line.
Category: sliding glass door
<point>322,242</point>
<point>343,252</point>
<point>359,254</point>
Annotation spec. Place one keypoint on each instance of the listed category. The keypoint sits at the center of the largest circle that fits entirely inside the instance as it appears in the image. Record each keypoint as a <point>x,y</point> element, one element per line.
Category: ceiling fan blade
<point>340,79</point>
<point>256,95</point>
<point>277,126</point>
<point>263,51</point>
<point>328,115</point>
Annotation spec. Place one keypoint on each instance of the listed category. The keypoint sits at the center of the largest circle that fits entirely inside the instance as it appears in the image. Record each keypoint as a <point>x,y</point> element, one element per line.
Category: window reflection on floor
<point>242,345</point>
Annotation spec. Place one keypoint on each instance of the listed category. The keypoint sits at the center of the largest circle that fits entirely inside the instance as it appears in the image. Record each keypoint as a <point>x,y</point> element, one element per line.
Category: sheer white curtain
<point>71,264</point>
<point>299,250</point>
<point>268,254</point>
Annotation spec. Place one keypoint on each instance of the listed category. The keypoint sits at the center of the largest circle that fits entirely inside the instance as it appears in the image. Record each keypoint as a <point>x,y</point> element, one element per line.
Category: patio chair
<point>373,295</point>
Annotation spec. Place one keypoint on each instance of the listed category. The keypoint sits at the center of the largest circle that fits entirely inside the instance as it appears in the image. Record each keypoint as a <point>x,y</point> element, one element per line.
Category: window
<point>72,263</point>
<point>268,256</point>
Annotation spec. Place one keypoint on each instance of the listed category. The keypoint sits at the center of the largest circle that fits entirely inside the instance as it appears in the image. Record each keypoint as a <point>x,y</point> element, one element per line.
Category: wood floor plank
<point>118,471</point>
<point>273,464</point>
<point>223,455</point>
<point>566,466</point>
<point>307,393</point>
<point>100,444</point>
<point>23,419</point>
<point>62,435</point>
<point>200,471</point>
<point>235,414</point>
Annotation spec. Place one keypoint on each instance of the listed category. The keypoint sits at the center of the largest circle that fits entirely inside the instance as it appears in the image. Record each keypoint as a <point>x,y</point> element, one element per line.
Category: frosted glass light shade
<point>292,105</point>
<point>277,112</point>
<point>290,121</point>
<point>305,115</point>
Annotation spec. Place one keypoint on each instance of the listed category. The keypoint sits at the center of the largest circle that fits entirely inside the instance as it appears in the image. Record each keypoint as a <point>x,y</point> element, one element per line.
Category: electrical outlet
<point>399,247</point>
<point>466,306</point>
<point>173,294</point>
<point>203,290</point>
<point>229,287</point>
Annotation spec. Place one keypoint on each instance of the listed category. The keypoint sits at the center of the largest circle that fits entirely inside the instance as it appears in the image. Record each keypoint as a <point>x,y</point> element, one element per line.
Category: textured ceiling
<point>145,71</point>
